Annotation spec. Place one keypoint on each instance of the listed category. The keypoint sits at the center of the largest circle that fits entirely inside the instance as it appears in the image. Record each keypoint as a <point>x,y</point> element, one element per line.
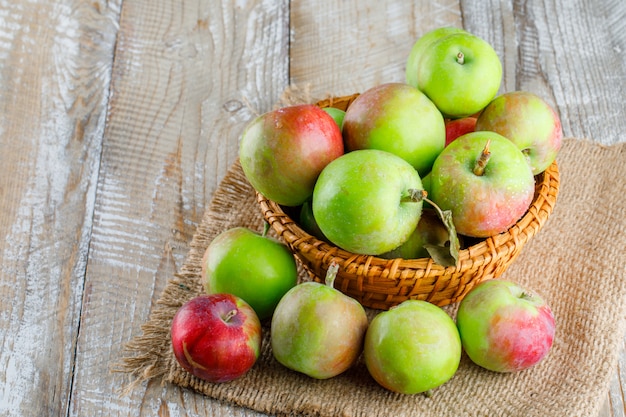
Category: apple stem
<point>483,159</point>
<point>331,274</point>
<point>428,393</point>
<point>413,195</point>
<point>228,316</point>
<point>460,58</point>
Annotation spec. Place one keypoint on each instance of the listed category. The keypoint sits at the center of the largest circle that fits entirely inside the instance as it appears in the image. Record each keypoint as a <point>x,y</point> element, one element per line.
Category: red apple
<point>504,327</point>
<point>459,127</point>
<point>283,151</point>
<point>216,337</point>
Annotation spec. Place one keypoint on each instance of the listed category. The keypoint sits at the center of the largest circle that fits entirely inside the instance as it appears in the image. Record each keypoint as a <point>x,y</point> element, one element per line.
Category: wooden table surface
<point>119,118</point>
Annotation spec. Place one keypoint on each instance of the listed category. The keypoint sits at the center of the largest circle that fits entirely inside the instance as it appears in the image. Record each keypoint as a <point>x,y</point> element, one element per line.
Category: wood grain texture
<point>55,64</point>
<point>186,78</point>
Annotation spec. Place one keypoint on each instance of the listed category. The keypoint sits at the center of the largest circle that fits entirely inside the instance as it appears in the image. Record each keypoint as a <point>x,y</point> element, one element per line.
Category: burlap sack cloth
<point>576,262</point>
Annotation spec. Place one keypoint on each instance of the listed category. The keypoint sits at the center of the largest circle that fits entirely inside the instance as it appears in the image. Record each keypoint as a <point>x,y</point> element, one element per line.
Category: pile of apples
<point>403,172</point>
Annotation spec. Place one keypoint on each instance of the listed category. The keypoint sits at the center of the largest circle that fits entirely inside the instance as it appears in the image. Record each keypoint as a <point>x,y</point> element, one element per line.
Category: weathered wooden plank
<point>55,61</point>
<point>343,47</point>
<point>572,53</point>
<point>185,78</point>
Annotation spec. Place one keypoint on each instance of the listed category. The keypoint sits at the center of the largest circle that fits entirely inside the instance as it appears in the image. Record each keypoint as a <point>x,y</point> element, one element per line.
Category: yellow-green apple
<point>368,201</point>
<point>252,266</point>
<point>412,348</point>
<point>317,330</point>
<point>485,181</point>
<point>459,127</point>
<point>430,232</point>
<point>336,114</point>
<point>528,121</point>
<point>283,151</point>
<point>399,119</point>
<point>216,337</point>
<point>420,45</point>
<point>461,73</point>
<point>504,327</point>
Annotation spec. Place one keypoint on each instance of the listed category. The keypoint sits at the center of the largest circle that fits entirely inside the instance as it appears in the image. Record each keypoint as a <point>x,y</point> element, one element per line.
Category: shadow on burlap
<point>576,262</point>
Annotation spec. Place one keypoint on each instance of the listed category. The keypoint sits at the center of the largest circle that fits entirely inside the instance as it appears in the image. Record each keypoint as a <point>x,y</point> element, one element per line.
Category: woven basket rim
<point>495,252</point>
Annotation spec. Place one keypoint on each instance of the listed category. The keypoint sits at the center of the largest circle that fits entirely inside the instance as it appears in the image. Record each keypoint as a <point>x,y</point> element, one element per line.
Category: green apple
<point>396,118</point>
<point>420,45</point>
<point>336,114</point>
<point>504,327</point>
<point>317,330</point>
<point>430,231</point>
<point>256,268</point>
<point>485,181</point>
<point>528,121</point>
<point>412,348</point>
<point>368,201</point>
<point>461,73</point>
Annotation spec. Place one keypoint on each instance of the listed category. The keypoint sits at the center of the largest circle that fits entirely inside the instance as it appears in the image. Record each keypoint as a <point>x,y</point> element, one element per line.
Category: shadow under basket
<point>383,283</point>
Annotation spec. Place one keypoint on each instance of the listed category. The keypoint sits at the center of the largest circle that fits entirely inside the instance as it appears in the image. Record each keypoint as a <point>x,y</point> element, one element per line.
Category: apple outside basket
<point>383,283</point>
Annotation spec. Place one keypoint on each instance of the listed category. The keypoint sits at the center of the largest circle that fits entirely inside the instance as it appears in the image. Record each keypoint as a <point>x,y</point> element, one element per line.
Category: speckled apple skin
<point>318,331</point>
<point>283,151</point>
<point>504,328</point>
<point>399,119</point>
<point>412,348</point>
<point>211,348</point>
<point>528,121</point>
<point>486,205</point>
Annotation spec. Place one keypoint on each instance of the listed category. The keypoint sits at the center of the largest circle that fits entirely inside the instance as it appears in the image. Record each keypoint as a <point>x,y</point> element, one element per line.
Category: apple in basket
<point>283,151</point>
<point>216,337</point>
<point>412,348</point>
<point>368,201</point>
<point>528,121</point>
<point>504,327</point>
<point>458,127</point>
<point>461,73</point>
<point>399,119</point>
<point>317,330</point>
<point>250,265</point>
<point>485,181</point>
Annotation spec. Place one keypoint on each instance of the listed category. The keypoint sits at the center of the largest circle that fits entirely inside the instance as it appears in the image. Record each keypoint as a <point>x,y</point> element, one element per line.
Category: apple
<point>368,201</point>
<point>317,330</point>
<point>308,222</point>
<point>283,151</point>
<point>528,121</point>
<point>336,114</point>
<point>504,327</point>
<point>430,231</point>
<point>461,73</point>
<point>399,119</point>
<point>458,127</point>
<point>420,45</point>
<point>255,267</point>
<point>412,348</point>
<point>485,181</point>
<point>216,337</point>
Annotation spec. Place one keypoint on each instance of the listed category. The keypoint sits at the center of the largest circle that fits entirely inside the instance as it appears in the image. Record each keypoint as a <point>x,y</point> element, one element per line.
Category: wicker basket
<point>382,283</point>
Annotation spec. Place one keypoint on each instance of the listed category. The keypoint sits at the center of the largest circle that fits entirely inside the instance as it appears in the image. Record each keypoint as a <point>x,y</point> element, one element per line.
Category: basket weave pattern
<point>382,283</point>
